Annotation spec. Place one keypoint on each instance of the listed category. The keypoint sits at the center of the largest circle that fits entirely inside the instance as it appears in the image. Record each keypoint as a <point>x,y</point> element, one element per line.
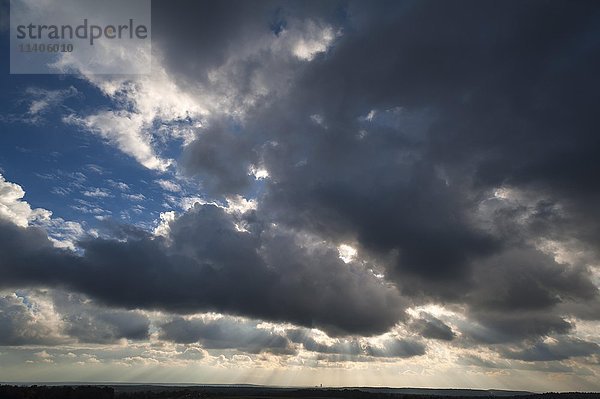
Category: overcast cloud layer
<point>353,182</point>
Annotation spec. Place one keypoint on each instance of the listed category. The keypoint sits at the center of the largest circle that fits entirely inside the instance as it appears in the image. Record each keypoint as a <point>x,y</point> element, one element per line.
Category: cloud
<point>89,323</point>
<point>96,192</point>
<point>530,280</point>
<point>222,159</point>
<point>561,349</point>
<point>15,210</point>
<point>225,333</point>
<point>43,99</point>
<point>147,110</point>
<point>54,317</point>
<point>314,40</point>
<point>118,185</point>
<point>12,206</point>
<point>40,102</point>
<point>449,157</point>
<point>125,131</point>
<point>169,185</point>
<point>502,327</point>
<point>354,347</point>
<point>399,348</point>
<point>23,324</point>
<point>209,265</point>
<point>431,327</point>
<point>424,124</point>
<point>134,197</point>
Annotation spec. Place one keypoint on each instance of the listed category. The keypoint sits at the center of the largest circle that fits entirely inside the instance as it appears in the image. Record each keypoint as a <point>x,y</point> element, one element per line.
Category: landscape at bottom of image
<point>151,391</point>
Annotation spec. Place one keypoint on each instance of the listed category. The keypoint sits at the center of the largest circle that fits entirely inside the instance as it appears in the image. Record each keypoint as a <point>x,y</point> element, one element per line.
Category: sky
<point>347,193</point>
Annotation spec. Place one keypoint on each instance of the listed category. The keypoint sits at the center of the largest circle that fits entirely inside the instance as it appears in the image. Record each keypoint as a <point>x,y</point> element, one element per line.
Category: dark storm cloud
<point>209,265</point>
<point>472,360</point>
<point>432,327</point>
<point>529,280</point>
<point>210,157</point>
<point>224,334</point>
<point>28,256</point>
<point>206,33</point>
<point>546,367</point>
<point>398,348</point>
<point>387,189</point>
<point>467,97</point>
<point>216,27</point>
<point>588,310</point>
<point>517,293</point>
<point>563,348</point>
<point>90,323</point>
<point>508,326</point>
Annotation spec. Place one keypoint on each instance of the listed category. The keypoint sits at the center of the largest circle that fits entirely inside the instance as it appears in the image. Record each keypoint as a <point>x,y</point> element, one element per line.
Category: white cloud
<point>239,204</point>
<point>12,206</point>
<point>89,208</point>
<point>312,39</point>
<point>235,203</point>
<point>95,168</point>
<point>169,185</point>
<point>145,101</point>
<point>153,109</point>
<point>62,233</point>
<point>39,102</point>
<point>347,253</point>
<point>126,131</point>
<point>141,102</point>
<point>60,191</point>
<point>134,197</point>
<point>259,173</point>
<point>163,229</point>
<point>96,192</point>
<point>118,185</point>
<point>29,318</point>
<point>42,100</point>
<point>186,203</point>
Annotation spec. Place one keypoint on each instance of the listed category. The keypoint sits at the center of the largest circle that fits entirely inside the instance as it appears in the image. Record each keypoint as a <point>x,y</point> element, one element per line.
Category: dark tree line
<point>56,392</point>
<point>97,392</point>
